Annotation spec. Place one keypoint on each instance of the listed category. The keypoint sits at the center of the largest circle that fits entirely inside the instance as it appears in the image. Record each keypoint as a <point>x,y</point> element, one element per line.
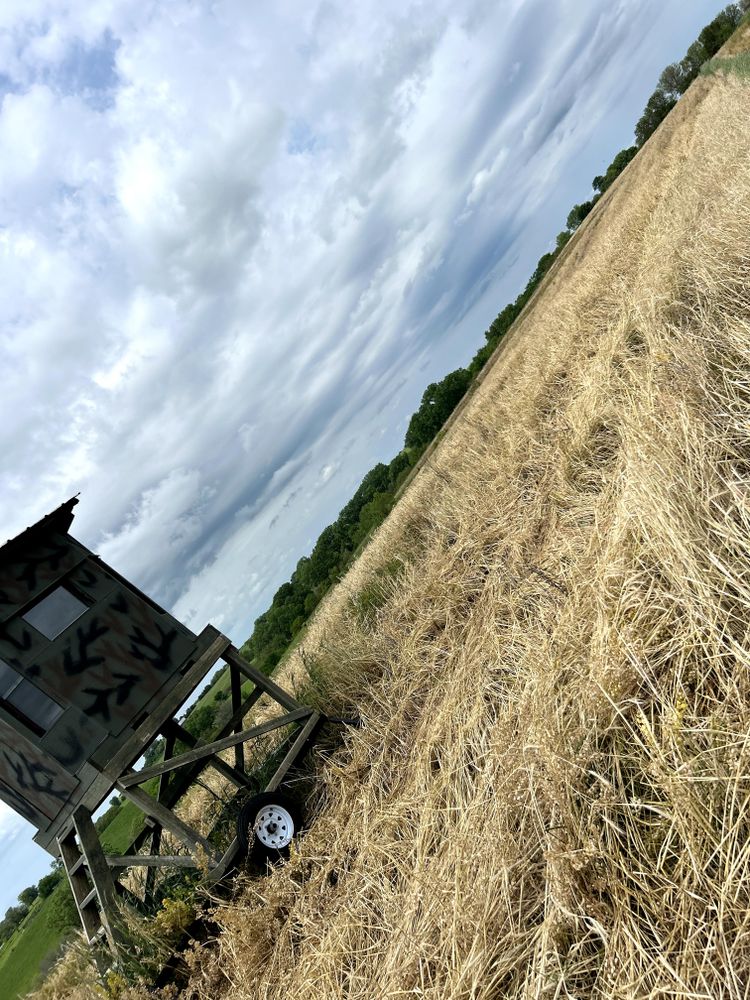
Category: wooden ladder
<point>90,880</point>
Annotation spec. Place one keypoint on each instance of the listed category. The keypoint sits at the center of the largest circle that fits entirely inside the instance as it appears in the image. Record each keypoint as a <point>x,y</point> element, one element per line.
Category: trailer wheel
<point>267,824</point>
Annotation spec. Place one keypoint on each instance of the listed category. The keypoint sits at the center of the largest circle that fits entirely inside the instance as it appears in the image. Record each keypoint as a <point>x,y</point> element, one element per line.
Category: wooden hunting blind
<point>91,672</point>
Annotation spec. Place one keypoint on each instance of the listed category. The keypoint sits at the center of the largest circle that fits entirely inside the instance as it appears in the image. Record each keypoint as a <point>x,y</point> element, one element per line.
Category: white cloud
<point>328,471</point>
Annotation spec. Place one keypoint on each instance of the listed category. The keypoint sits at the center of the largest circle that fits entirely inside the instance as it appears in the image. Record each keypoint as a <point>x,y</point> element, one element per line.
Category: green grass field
<point>33,944</point>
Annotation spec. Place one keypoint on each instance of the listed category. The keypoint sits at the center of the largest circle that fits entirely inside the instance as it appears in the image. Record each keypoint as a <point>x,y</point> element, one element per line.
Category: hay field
<point>548,644</point>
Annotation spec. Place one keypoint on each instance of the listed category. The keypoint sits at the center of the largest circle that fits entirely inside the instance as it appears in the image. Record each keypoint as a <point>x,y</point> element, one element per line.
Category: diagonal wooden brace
<point>208,749</point>
<point>194,842</point>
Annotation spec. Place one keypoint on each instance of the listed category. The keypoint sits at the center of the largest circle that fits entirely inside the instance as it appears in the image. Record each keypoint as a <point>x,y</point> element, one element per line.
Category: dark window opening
<point>26,702</point>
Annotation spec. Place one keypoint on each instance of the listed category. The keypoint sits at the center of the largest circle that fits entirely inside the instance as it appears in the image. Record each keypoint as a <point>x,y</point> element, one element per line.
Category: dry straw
<point>550,795</point>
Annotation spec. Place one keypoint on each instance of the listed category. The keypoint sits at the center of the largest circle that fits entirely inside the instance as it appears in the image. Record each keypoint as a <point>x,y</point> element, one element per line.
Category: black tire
<point>252,845</point>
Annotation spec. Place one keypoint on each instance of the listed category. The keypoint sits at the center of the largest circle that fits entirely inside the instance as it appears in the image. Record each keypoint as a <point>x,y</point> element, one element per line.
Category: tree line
<point>673,82</point>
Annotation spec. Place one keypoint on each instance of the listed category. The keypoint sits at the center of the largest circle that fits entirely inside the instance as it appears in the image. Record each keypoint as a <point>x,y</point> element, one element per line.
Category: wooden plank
<point>148,889</point>
<point>161,790</point>
<point>151,861</point>
<point>238,778</point>
<point>100,875</point>
<point>235,683</point>
<point>232,655</point>
<point>164,710</point>
<point>225,863</point>
<point>76,865</point>
<point>208,749</point>
<point>166,818</point>
<point>88,900</point>
<point>239,714</point>
<point>294,751</point>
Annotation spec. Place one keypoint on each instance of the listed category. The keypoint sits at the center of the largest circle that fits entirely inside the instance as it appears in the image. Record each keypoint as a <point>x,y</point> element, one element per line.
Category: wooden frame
<point>90,871</point>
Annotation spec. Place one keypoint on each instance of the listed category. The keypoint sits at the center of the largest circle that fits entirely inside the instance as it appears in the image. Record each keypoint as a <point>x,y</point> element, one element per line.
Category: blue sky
<point>237,241</point>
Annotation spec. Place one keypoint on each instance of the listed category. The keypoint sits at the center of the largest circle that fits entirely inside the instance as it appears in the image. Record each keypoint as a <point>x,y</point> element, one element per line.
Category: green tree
<point>155,752</point>
<point>48,883</point>
<point>373,514</point>
<point>657,108</point>
<point>677,77</point>
<point>28,895</point>
<point>438,402</point>
<point>577,214</point>
<point>13,917</point>
<point>718,31</point>
<point>613,171</point>
<point>201,721</point>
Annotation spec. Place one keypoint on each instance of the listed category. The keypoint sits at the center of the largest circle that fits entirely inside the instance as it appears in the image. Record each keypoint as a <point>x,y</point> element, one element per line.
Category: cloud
<point>328,472</point>
<point>233,239</point>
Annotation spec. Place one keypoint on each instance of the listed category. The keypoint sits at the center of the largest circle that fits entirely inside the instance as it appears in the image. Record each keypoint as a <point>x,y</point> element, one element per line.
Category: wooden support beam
<point>151,861</point>
<point>179,783</point>
<point>166,818</point>
<point>294,751</point>
<point>232,656</point>
<point>103,893</point>
<point>208,749</point>
<point>234,725</point>
<point>218,872</point>
<point>235,683</point>
<point>161,790</point>
<point>238,778</point>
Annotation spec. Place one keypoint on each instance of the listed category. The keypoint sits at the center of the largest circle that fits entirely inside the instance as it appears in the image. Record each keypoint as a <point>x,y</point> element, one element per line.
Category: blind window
<point>26,702</point>
<point>55,612</point>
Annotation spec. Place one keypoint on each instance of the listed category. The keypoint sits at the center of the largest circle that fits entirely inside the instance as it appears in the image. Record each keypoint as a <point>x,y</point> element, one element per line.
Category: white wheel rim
<point>274,827</point>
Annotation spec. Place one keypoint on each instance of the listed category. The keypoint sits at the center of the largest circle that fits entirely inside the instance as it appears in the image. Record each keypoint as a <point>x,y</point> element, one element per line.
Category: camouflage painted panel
<point>22,646</point>
<point>92,582</point>
<point>25,573</point>
<point>16,802</point>
<point>34,781</point>
<point>73,739</point>
<point>113,661</point>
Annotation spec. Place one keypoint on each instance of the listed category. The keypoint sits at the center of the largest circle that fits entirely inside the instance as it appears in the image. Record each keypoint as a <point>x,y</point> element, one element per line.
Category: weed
<point>738,65</point>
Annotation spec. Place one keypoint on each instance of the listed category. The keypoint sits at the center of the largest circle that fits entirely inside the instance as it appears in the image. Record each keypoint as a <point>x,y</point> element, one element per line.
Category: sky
<point>237,241</point>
